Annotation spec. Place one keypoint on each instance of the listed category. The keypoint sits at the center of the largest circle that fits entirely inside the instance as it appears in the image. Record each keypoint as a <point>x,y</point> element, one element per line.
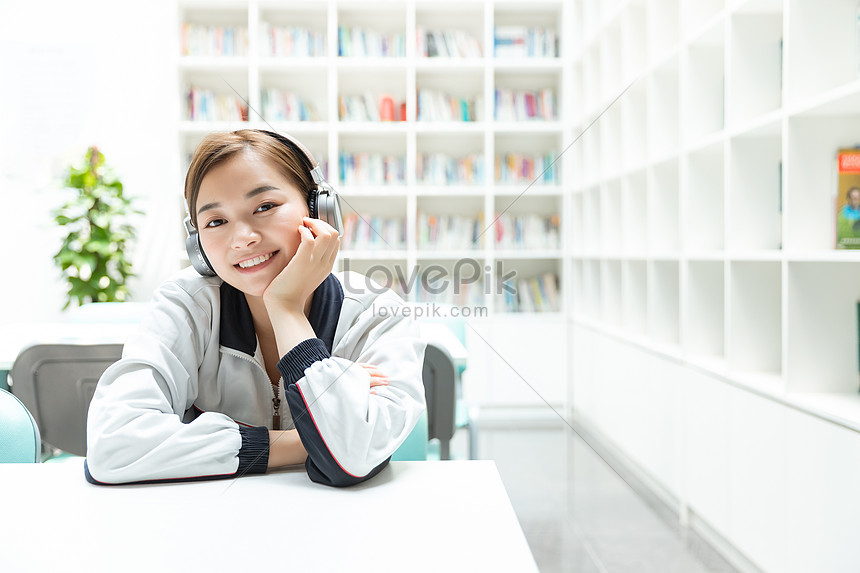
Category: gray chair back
<point>439,390</point>
<point>56,383</point>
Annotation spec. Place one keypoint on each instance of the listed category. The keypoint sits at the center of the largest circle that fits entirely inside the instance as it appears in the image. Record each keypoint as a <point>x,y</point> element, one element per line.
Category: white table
<point>414,516</point>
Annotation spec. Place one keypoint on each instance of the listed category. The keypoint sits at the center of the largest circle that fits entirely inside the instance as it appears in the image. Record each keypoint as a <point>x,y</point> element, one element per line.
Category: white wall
<point>74,74</point>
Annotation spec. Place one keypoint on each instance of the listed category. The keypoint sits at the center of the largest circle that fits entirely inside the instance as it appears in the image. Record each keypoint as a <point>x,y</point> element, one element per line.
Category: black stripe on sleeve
<point>321,466</point>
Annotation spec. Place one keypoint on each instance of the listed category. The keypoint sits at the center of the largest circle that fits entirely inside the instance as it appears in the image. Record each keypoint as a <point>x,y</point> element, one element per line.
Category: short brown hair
<point>217,148</point>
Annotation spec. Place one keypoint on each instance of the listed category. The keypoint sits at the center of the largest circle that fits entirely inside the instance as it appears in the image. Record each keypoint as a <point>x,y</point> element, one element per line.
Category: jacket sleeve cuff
<point>254,453</point>
<point>294,363</point>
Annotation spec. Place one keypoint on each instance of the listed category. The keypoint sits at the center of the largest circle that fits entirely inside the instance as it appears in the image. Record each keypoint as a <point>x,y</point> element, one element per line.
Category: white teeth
<point>255,261</point>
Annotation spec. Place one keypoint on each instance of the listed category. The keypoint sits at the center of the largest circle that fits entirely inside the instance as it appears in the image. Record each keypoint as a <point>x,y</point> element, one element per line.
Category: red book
<point>402,116</point>
<point>386,108</point>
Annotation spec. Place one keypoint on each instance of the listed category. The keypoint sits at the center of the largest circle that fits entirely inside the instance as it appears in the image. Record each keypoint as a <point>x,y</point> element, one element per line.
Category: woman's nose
<point>244,236</point>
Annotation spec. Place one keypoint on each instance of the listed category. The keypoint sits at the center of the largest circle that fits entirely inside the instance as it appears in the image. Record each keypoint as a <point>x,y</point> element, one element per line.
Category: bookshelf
<point>470,132</point>
<point>704,293</point>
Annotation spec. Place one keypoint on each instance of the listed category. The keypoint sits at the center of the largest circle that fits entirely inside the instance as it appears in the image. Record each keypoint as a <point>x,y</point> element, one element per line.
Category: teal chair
<point>414,449</point>
<point>20,441</point>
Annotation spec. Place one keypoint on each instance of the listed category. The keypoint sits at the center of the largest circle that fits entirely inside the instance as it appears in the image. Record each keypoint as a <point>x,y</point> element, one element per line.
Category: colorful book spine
<point>290,42</point>
<point>372,169</point>
<point>286,106</point>
<point>357,42</point>
<point>517,168</point>
<point>848,199</point>
<point>442,169</point>
<point>205,40</point>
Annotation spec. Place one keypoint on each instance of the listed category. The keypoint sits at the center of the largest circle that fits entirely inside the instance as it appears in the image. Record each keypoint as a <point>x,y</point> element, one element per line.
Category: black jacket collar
<point>237,325</point>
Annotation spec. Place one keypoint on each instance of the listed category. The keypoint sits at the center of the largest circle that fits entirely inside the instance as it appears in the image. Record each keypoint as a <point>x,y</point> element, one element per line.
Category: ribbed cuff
<point>254,453</point>
<point>292,366</point>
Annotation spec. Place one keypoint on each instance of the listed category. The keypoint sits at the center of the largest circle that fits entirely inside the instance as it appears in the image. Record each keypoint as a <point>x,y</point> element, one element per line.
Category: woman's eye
<point>215,223</point>
<point>266,207</point>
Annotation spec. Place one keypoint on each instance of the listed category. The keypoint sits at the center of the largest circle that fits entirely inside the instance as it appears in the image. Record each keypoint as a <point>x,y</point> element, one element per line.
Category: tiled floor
<point>579,515</point>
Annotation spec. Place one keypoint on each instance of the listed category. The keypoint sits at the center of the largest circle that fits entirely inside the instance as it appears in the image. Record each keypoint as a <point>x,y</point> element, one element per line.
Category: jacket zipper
<point>276,398</point>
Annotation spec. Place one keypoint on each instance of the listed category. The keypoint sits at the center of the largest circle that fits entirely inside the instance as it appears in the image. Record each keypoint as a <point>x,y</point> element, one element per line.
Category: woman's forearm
<point>291,327</point>
<point>285,448</point>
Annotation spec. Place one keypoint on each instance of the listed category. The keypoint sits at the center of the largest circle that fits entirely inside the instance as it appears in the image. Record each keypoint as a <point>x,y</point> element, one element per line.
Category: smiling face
<point>248,217</point>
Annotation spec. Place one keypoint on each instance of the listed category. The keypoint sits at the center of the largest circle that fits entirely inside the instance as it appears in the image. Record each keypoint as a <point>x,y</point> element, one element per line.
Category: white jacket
<point>190,398</point>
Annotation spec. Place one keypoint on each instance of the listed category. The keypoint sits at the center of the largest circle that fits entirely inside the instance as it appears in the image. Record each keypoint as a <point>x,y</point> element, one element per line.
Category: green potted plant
<point>93,257</point>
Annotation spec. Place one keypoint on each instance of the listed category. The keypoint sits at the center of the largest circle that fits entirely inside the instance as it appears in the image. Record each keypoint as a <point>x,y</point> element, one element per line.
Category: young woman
<point>271,362</point>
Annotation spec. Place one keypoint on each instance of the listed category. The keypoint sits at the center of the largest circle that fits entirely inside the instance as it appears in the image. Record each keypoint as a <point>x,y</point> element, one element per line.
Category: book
<point>848,199</point>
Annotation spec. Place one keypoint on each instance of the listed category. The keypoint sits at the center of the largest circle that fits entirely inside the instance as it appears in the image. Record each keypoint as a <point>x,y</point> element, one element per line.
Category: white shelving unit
<point>322,80</point>
<point>706,296</point>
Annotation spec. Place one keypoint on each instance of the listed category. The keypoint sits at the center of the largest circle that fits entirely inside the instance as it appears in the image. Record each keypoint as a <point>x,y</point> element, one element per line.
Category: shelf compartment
<point>634,295</point>
<point>755,65</point>
<point>546,15</point>
<point>385,19</point>
<point>823,333</point>
<point>537,285</point>
<point>663,120</point>
<point>373,223</point>
<point>220,17</point>
<point>704,97</point>
<point>754,342</point>
<point>634,41</point>
<point>810,184</point>
<point>450,161</point>
<point>357,83</point>
<point>611,227</point>
<point>232,84</point>
<point>704,203</point>
<point>634,223</point>
<point>824,48</point>
<point>755,193</point>
<point>463,218</point>
<point>311,17</point>
<point>539,220</point>
<point>591,81</point>
<point>703,328</point>
<point>590,295</point>
<point>444,16</point>
<point>542,148</point>
<point>526,81</point>
<point>663,28</point>
<point>611,297</point>
<point>308,86</point>
<point>610,61</point>
<point>368,148</point>
<point>460,282</point>
<point>463,85</point>
<point>663,207</point>
<point>610,140</point>
<point>591,220</point>
<point>664,302</point>
<point>634,111</point>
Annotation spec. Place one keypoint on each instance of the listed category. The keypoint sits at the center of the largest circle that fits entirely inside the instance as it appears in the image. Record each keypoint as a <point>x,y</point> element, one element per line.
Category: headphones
<point>323,203</point>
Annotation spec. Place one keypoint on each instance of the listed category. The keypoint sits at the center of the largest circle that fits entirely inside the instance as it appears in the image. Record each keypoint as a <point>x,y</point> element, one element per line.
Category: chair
<point>56,382</point>
<point>439,389</point>
<point>20,441</point>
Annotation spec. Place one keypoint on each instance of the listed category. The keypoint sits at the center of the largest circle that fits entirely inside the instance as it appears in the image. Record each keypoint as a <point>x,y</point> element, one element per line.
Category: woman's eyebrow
<point>248,195</point>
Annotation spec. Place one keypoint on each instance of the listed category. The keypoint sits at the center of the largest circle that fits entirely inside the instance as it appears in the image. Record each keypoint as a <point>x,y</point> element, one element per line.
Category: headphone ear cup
<point>313,204</point>
<point>197,256</point>
<point>329,211</point>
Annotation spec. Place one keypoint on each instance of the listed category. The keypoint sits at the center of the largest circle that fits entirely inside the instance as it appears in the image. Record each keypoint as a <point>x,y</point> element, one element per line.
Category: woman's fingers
<point>377,378</point>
